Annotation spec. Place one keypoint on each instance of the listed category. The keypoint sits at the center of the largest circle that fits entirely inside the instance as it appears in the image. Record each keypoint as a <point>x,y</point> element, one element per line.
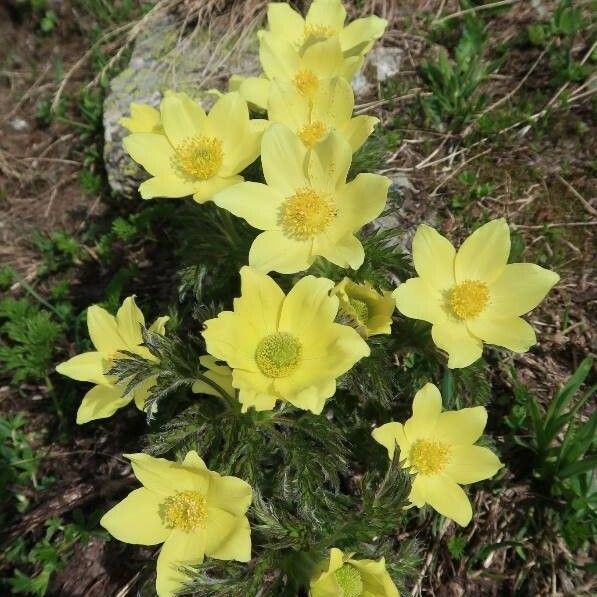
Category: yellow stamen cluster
<point>313,132</point>
<point>199,157</point>
<point>429,456</point>
<point>186,510</point>
<point>318,32</point>
<point>306,214</point>
<point>361,309</point>
<point>349,580</point>
<point>306,82</point>
<point>278,355</point>
<point>469,298</point>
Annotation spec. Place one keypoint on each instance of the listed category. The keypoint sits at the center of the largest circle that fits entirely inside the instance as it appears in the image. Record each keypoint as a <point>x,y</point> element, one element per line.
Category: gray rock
<point>381,64</point>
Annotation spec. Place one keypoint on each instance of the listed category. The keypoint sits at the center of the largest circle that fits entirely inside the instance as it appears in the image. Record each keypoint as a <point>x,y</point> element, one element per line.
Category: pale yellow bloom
<point>305,71</point>
<point>343,576</point>
<point>143,119</point>
<point>325,19</point>
<point>473,295</point>
<point>193,511</point>
<point>110,335</point>
<point>439,447</point>
<point>370,310</point>
<point>198,154</point>
<point>330,109</point>
<point>307,209</point>
<point>218,373</point>
<point>284,347</point>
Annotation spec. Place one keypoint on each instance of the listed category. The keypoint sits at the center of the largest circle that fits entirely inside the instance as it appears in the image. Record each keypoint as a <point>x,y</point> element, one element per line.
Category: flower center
<point>186,510</point>
<point>306,82</point>
<point>361,309</point>
<point>318,31</point>
<point>469,298</point>
<point>306,214</point>
<point>199,157</point>
<point>429,457</point>
<point>349,580</point>
<point>312,132</point>
<point>278,355</point>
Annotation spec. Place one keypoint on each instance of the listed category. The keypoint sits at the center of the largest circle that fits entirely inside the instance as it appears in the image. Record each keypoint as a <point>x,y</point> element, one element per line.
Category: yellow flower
<point>439,447</point>
<point>143,119</point>
<point>220,374</point>
<point>284,347</point>
<point>193,511</point>
<point>473,295</point>
<point>304,71</point>
<point>325,19</point>
<point>342,576</point>
<point>307,208</point>
<point>109,336</point>
<point>330,109</point>
<point>370,310</point>
<point>198,154</point>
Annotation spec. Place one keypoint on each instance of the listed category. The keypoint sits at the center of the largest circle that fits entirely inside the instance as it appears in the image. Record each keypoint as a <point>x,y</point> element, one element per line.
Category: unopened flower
<point>473,295</point>
<point>330,109</point>
<point>284,347</point>
<point>143,119</point>
<point>370,310</point>
<point>110,336</point>
<point>439,448</point>
<point>306,209</point>
<point>193,511</point>
<point>343,576</point>
<point>198,154</point>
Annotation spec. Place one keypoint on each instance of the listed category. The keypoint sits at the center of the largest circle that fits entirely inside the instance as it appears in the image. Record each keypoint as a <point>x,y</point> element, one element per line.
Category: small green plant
<point>472,190</point>
<point>59,250</point>
<point>7,276</point>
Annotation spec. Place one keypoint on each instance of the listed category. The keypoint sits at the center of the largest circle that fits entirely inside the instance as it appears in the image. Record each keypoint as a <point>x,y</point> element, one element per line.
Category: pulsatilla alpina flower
<point>369,310</point>
<point>473,295</point>
<point>330,109</point>
<point>143,119</point>
<point>439,447</point>
<point>198,154</point>
<point>325,19</point>
<point>284,347</point>
<point>343,576</point>
<point>193,511</point>
<point>110,335</point>
<point>307,208</point>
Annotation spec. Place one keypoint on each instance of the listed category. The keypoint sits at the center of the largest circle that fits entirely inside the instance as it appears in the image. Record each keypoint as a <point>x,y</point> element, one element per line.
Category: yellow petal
<point>273,251</point>
<point>350,67</point>
<point>180,549</point>
<point>164,477</point>
<point>256,400</point>
<point>345,252</point>
<point>357,130</point>
<point>462,347</point>
<point>417,496</point>
<point>170,186</point>
<point>129,320</point>
<point>204,190</point>
<point>192,460</point>
<point>182,118</point>
<point>464,426</point>
<point>433,257</point>
<point>448,498</point>
<point>334,102</point>
<point>285,22</point>
<point>287,106</point>
<point>88,366</point>
<point>329,162</point>
<point>520,288</point>
<point>141,392</point>
<point>376,579</point>
<point>283,158</point>
<point>324,58</point>
<point>360,35</point>
<point>256,203</point>
<point>512,333</point>
<point>228,537</point>
<point>387,435</point>
<point>103,330</point>
<point>469,464</point>
<point>230,494</point>
<point>219,374</point>
<point>255,90</point>
<point>144,119</point>
<point>484,254</point>
<point>415,298</point>
<point>427,406</point>
<point>328,13</point>
<point>152,151</point>
<point>159,325</point>
<point>311,398</point>
<point>136,519</point>
<point>101,402</point>
<point>278,58</point>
